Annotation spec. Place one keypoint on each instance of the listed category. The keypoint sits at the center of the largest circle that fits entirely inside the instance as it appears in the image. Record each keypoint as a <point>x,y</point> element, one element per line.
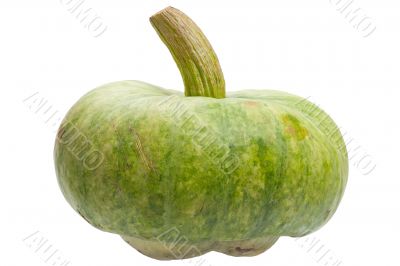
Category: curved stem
<point>192,52</point>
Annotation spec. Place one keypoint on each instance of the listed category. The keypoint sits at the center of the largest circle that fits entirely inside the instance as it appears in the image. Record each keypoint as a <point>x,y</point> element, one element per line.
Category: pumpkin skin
<point>230,175</point>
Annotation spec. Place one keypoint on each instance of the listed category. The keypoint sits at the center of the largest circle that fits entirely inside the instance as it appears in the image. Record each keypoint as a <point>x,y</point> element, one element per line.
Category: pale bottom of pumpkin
<point>183,250</point>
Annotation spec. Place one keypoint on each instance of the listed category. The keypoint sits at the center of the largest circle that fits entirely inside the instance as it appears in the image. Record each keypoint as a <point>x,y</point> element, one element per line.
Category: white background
<point>308,48</point>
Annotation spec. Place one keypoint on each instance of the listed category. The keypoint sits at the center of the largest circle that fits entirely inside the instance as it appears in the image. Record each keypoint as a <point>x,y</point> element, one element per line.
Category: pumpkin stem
<point>192,52</point>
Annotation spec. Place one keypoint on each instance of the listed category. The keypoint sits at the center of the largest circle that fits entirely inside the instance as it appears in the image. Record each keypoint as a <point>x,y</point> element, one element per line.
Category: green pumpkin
<point>180,175</point>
